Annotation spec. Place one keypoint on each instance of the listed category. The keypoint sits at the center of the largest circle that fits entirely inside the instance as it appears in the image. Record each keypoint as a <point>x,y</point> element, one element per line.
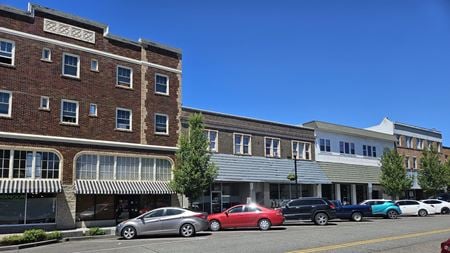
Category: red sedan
<point>244,216</point>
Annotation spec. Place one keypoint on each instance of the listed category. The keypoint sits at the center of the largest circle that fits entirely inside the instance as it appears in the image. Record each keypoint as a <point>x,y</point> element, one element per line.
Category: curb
<point>83,238</point>
<point>27,245</point>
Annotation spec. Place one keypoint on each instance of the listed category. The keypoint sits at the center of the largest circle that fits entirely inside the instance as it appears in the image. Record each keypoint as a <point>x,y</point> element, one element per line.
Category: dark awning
<point>30,186</point>
<point>121,187</point>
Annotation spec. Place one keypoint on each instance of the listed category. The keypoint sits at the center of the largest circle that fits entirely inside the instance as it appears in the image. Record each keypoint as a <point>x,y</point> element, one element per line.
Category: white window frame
<point>78,65</point>
<point>409,142</point>
<point>117,77</point>
<point>9,104</point>
<point>167,124</point>
<point>271,139</point>
<point>131,119</point>
<point>308,144</point>
<point>48,103</point>
<point>49,59</point>
<point>167,84</point>
<point>216,146</point>
<point>414,163</point>
<point>13,52</point>
<point>92,69</point>
<point>325,145</point>
<point>96,109</point>
<point>241,151</point>
<point>78,112</point>
<point>407,162</point>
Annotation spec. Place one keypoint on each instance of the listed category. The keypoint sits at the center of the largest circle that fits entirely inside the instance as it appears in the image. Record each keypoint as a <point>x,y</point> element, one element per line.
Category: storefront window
<point>41,208</point>
<point>12,209</point>
<point>104,207</point>
<point>285,191</point>
<point>85,207</point>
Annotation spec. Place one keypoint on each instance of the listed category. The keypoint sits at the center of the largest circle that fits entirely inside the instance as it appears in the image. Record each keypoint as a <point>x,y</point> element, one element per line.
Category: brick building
<point>89,121</point>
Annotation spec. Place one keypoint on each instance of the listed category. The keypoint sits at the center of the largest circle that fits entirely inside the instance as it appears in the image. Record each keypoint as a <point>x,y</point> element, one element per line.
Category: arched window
<point>29,164</point>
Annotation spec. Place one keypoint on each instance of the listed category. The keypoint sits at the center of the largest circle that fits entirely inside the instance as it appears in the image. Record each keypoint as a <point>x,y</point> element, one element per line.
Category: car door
<point>171,221</point>
<point>250,216</point>
<point>233,217</point>
<point>403,207</point>
<point>151,222</point>
<point>292,209</point>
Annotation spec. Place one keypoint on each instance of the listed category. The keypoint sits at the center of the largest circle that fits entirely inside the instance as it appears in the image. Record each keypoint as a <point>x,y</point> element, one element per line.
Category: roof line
<point>417,127</point>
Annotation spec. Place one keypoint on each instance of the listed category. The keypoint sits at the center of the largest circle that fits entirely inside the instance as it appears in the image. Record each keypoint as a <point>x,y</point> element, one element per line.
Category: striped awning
<point>30,186</point>
<point>121,187</point>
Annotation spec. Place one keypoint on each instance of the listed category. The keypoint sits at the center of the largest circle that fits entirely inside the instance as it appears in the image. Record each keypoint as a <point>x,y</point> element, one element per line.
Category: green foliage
<point>96,231</point>
<point>194,172</point>
<point>434,175</point>
<point>394,178</point>
<point>291,177</point>
<point>34,235</point>
<point>12,240</point>
<point>54,235</point>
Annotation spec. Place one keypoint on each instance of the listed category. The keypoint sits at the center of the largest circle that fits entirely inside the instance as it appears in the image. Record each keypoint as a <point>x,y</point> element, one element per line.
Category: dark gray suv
<point>318,210</point>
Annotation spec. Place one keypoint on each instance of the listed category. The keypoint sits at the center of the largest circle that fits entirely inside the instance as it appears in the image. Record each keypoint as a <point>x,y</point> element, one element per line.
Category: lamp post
<point>296,179</point>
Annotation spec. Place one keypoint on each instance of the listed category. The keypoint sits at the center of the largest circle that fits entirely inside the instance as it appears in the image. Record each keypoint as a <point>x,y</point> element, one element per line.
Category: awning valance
<point>34,186</point>
<point>121,187</point>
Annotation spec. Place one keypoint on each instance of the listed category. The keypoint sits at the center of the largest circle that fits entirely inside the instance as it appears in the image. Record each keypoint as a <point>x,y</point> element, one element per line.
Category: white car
<point>414,207</point>
<point>440,206</point>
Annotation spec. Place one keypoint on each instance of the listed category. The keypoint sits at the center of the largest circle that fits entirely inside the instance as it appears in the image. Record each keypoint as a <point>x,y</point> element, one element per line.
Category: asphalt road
<point>407,234</point>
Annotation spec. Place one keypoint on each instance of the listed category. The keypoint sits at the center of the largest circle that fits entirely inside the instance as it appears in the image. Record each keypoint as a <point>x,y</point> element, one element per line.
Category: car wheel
<point>423,213</point>
<point>129,232</point>
<point>392,214</point>
<point>187,230</point>
<point>264,224</point>
<point>445,210</point>
<point>357,216</point>
<point>321,219</point>
<point>214,225</point>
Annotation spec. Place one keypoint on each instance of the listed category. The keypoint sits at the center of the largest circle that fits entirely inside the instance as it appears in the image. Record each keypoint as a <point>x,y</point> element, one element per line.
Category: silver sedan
<point>167,220</point>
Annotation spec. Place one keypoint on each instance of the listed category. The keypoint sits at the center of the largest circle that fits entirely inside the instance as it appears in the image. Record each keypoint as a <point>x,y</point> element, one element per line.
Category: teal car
<point>383,207</point>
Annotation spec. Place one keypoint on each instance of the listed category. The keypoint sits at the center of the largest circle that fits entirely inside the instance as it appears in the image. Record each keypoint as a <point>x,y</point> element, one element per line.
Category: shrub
<point>96,231</point>
<point>12,240</point>
<point>34,235</point>
<point>54,235</point>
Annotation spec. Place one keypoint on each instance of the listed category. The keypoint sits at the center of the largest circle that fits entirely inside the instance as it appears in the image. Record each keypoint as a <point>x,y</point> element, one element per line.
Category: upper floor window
<point>369,151</point>
<point>272,147</point>
<point>211,135</point>
<point>408,142</point>
<point>46,54</point>
<point>94,65</point>
<point>325,145</point>
<point>419,143</point>
<point>162,84</point>
<point>69,112</point>
<point>346,147</point>
<point>7,49</point>
<point>71,65</point>
<point>124,76</point>
<point>407,165</point>
<point>301,150</point>
<point>242,144</point>
<point>123,119</point>
<point>161,124</point>
<point>414,163</point>
<point>399,140</point>
<point>44,103</point>
<point>439,147</point>
<point>93,110</point>
<point>5,103</point>
<point>430,145</point>
<point>29,164</point>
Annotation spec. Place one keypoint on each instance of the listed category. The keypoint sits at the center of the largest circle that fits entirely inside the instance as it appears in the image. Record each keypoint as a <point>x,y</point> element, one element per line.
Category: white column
<point>353,187</point>
<point>252,197</point>
<point>337,191</point>
<point>267,194</point>
<point>369,190</point>
<point>319,190</point>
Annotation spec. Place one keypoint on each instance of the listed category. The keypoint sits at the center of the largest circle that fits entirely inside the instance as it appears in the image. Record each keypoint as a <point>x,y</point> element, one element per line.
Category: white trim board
<point>60,139</point>
<point>86,49</point>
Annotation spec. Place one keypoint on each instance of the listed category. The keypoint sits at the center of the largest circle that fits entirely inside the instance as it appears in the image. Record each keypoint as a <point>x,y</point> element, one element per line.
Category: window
<point>211,135</point>
<point>251,209</point>
<point>237,209</point>
<point>161,84</point>
<point>161,124</point>
<point>4,163</point>
<point>7,49</point>
<point>242,144</point>
<point>399,140</point>
<point>301,150</point>
<point>46,54</point>
<point>29,164</point>
<point>71,65</point>
<point>45,103</point>
<point>369,151</point>
<point>439,147</point>
<point>124,76</point>
<point>272,147</point>
<point>123,168</point>
<point>430,145</point>
<point>154,214</point>
<point>69,112</point>
<point>5,103</point>
<point>414,163</point>
<point>22,164</point>
<point>27,208</point>
<point>94,65</point>
<point>346,147</point>
<point>408,142</point>
<point>407,162</point>
<point>47,165</point>
<point>123,119</point>
<point>325,145</point>
<point>419,143</point>
<point>93,110</point>
<point>171,211</point>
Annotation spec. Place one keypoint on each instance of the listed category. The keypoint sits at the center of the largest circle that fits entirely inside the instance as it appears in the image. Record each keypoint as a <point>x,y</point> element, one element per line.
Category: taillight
<point>279,212</point>
<point>331,205</point>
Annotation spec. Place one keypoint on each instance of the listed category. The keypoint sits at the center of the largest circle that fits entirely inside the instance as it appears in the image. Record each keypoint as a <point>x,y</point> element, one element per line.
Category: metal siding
<point>350,173</point>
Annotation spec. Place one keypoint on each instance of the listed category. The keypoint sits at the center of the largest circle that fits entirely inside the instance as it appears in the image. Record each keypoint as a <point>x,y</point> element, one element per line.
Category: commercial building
<point>89,121</point>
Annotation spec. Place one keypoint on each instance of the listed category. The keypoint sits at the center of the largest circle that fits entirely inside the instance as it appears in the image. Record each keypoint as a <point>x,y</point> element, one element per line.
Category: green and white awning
<point>121,187</point>
<point>34,186</point>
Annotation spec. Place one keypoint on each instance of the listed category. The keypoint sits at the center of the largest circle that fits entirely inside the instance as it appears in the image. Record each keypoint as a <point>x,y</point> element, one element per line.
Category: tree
<point>434,175</point>
<point>394,178</point>
<point>194,172</point>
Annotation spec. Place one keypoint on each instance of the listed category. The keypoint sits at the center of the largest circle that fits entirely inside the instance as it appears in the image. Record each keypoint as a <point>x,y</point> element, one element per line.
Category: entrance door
<point>127,207</point>
<point>216,202</point>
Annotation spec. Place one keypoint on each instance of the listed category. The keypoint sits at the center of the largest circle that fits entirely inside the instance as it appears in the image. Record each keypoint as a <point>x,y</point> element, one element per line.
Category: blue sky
<point>349,62</point>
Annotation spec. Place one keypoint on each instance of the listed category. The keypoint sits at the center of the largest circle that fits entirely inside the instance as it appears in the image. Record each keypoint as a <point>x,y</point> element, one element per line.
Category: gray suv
<point>167,220</point>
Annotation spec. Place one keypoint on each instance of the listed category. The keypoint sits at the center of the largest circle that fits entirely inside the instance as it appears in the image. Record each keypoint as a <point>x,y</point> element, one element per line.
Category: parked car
<point>167,220</point>
<point>383,207</point>
<point>440,206</point>
<point>414,207</point>
<point>318,210</point>
<point>352,212</point>
<point>243,216</point>
<point>445,246</point>
<point>444,196</point>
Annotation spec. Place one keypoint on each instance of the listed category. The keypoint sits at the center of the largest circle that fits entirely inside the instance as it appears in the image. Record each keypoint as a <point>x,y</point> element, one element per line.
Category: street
<point>406,234</point>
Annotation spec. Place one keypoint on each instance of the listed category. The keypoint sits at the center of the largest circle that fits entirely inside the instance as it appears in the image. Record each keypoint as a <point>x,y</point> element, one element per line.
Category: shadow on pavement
<point>168,237</point>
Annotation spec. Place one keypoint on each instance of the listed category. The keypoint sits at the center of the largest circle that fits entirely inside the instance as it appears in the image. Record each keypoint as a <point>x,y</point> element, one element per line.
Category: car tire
<point>321,219</point>
<point>392,214</point>
<point>214,225</point>
<point>357,216</point>
<point>445,210</point>
<point>264,224</point>
<point>422,213</point>
<point>129,232</point>
<point>187,230</point>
